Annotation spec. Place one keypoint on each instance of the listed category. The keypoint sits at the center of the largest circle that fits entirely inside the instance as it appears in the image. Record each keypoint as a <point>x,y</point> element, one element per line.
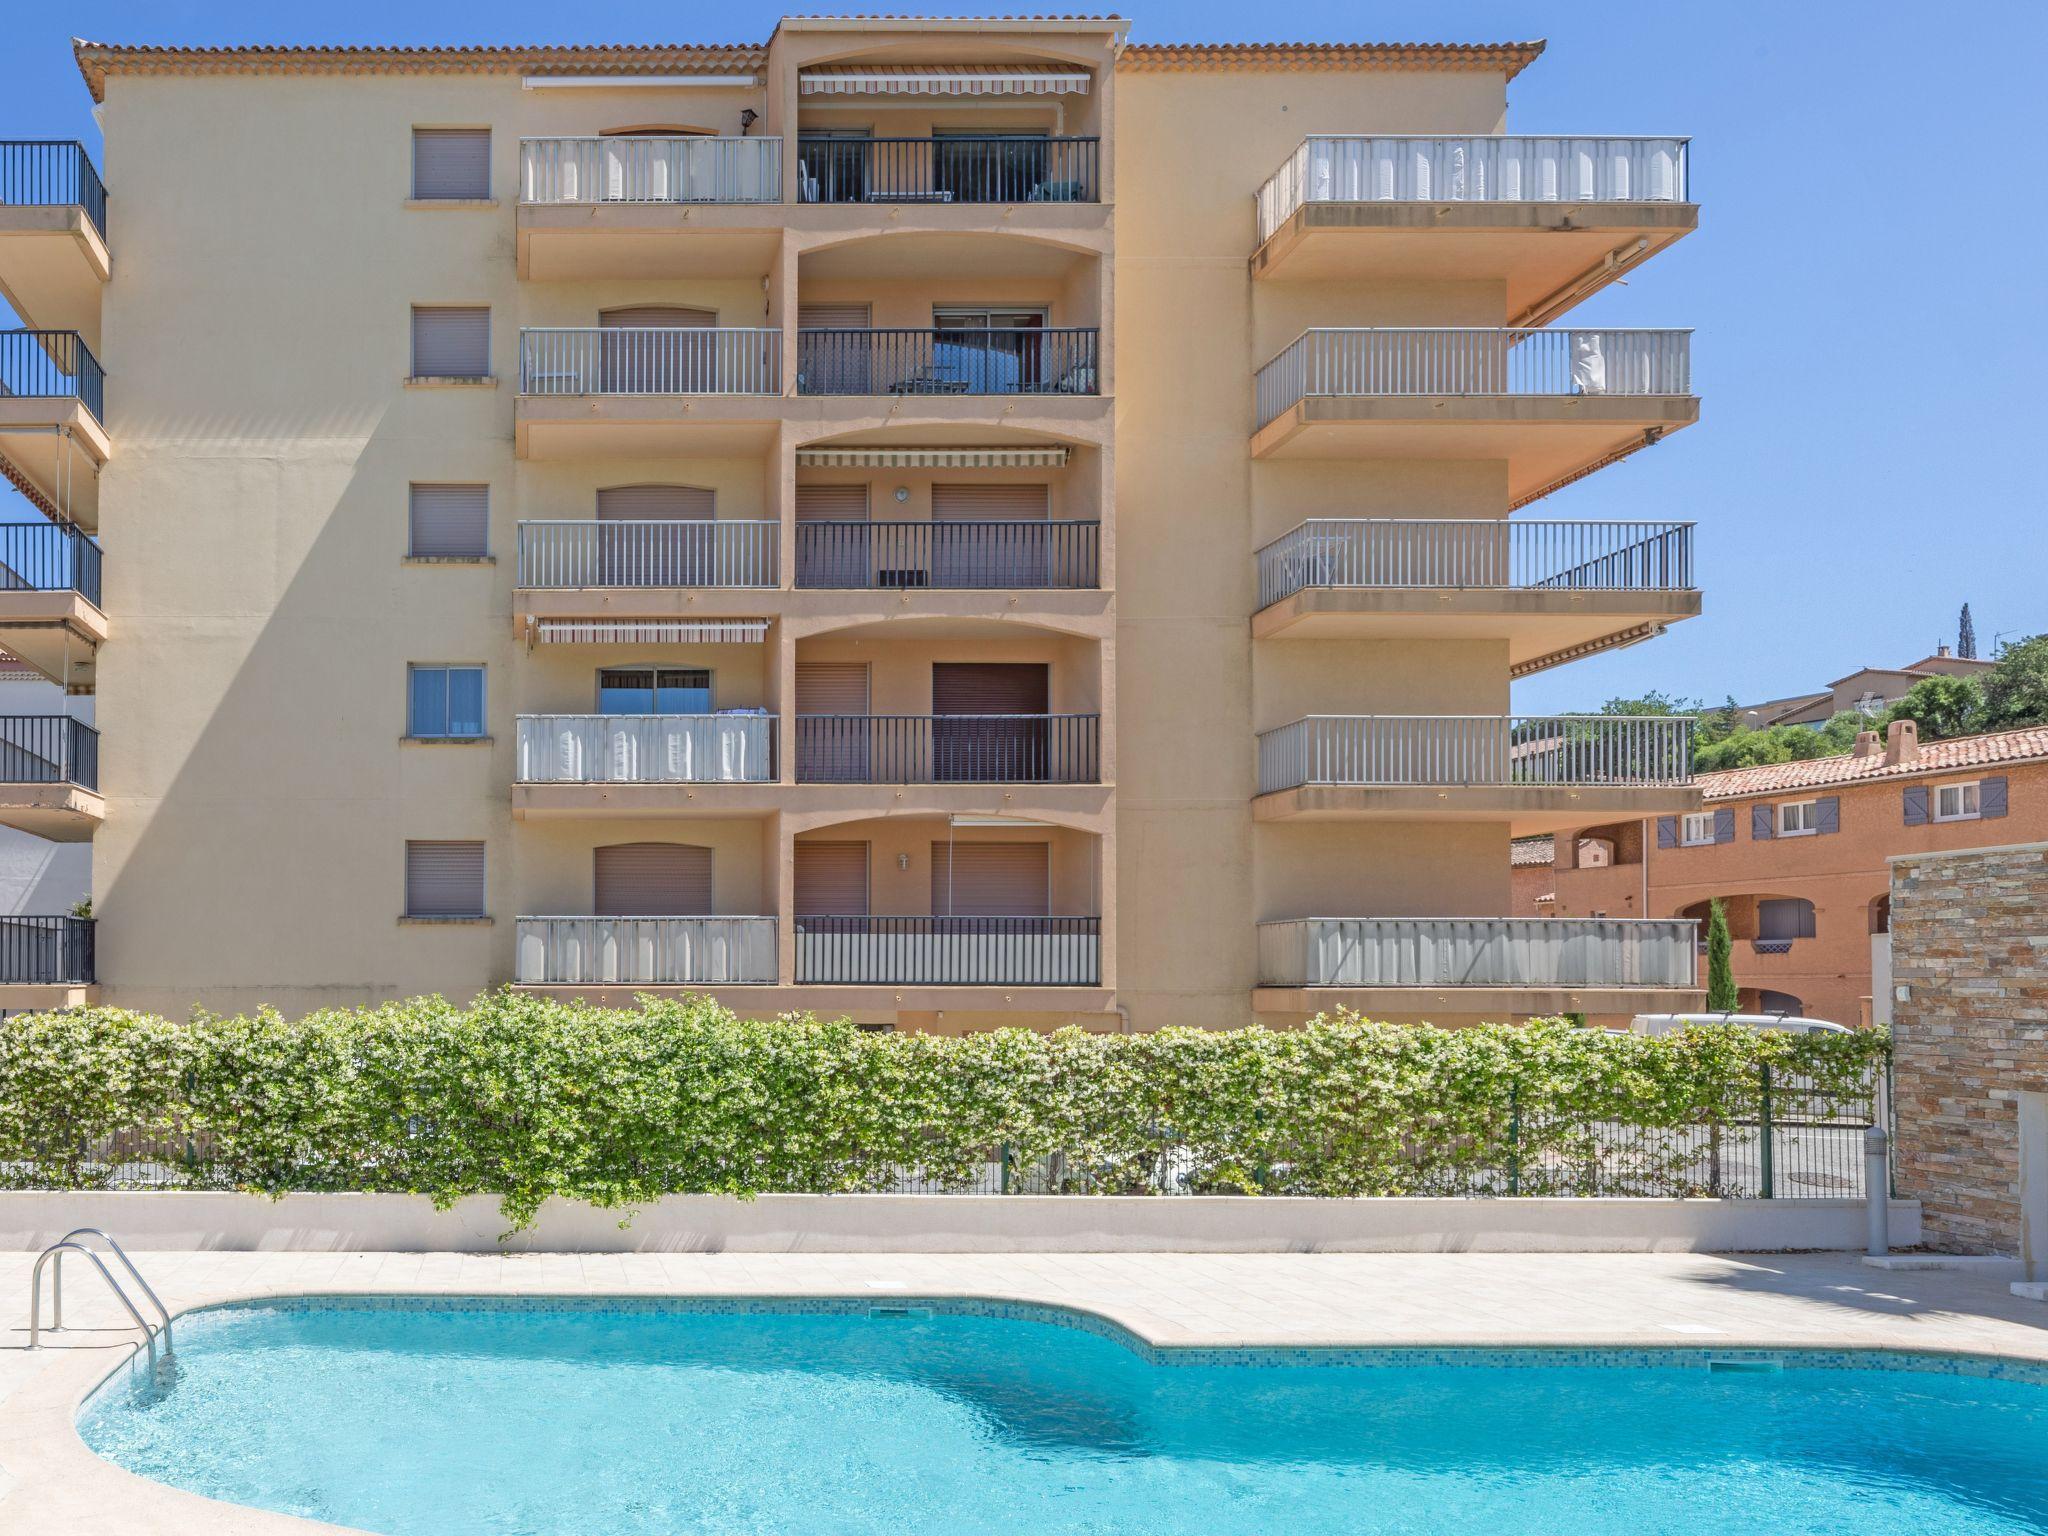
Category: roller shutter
<point>832,688</point>
<point>831,879</point>
<point>653,880</point>
<point>991,879</point>
<point>451,164</point>
<point>832,503</point>
<point>450,520</point>
<point>990,688</point>
<point>657,503</point>
<point>444,879</point>
<point>657,317</point>
<point>832,317</point>
<point>450,342</point>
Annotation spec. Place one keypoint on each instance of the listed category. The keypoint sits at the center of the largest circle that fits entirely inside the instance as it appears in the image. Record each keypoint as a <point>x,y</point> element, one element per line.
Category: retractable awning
<point>931,458</point>
<point>943,80</point>
<point>650,632</point>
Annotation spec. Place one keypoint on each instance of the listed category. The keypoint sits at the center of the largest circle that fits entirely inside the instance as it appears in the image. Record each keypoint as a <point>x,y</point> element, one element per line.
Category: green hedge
<point>524,1098</point>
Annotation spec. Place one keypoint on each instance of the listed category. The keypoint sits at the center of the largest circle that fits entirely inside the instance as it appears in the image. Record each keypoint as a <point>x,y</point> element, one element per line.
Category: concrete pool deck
<point>50,1482</point>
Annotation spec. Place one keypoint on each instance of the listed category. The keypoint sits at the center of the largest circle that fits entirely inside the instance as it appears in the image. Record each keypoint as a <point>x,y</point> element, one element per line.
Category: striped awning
<point>650,632</point>
<point>943,80</point>
<point>931,458</point>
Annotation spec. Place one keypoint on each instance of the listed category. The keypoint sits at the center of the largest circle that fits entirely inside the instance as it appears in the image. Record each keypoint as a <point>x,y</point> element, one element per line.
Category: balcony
<point>50,614</point>
<point>50,777</point>
<point>53,234</point>
<point>645,951</point>
<point>46,962</point>
<point>584,569</point>
<point>600,391</point>
<point>952,361</point>
<point>948,749</point>
<point>1537,773</point>
<point>949,951</point>
<point>1554,590</point>
<point>1554,405</point>
<point>626,765</point>
<point>1001,168</point>
<point>1498,968</point>
<point>1019,554</point>
<point>53,437</point>
<point>1550,219</point>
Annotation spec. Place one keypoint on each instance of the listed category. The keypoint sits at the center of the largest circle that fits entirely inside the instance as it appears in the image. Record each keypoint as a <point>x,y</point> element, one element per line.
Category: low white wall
<point>955,1224</point>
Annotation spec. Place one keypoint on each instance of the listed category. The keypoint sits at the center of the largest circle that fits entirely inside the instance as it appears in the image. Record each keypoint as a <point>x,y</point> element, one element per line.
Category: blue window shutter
<point>1827,814</point>
<point>1991,797</point>
<point>1761,827</point>
<point>1724,824</point>
<point>1667,831</point>
<point>1916,805</point>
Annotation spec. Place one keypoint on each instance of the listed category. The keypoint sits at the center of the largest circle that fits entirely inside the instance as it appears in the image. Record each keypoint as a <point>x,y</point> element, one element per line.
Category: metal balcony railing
<point>52,173</point>
<point>949,360</point>
<point>999,168</point>
<point>948,749</point>
<point>1480,168</point>
<point>47,951</point>
<point>49,557</point>
<point>1503,360</point>
<point>650,168</point>
<point>1477,952</point>
<point>1484,553</point>
<point>583,552</point>
<point>646,951</point>
<point>1508,751</point>
<point>650,360</point>
<point>49,749</point>
<point>52,365</point>
<point>646,749</point>
<point>867,556</point>
<point>950,951</point>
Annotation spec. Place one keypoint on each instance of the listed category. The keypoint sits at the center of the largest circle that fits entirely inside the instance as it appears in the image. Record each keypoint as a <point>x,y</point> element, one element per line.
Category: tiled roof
<point>1954,756</point>
<point>1510,58</point>
<point>1527,851</point>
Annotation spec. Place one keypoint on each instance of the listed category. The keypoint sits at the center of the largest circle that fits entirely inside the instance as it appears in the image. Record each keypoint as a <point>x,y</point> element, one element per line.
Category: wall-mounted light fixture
<point>748,117</point>
<point>903,861</point>
<point>903,493</point>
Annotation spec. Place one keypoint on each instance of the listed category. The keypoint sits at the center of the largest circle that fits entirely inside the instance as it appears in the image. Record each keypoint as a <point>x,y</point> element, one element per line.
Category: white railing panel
<point>646,749</point>
<point>1477,952</point>
<point>650,168</point>
<point>586,552</point>
<point>650,360</point>
<point>1486,553</point>
<point>646,951</point>
<point>1506,751</point>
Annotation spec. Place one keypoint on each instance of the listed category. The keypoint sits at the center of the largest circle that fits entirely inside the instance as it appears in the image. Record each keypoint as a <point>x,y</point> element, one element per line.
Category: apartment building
<point>1796,854</point>
<point>949,522</point>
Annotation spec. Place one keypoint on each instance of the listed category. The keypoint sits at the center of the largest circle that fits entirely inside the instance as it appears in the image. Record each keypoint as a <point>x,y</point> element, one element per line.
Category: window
<point>1782,919</point>
<point>451,342</point>
<point>447,703</point>
<point>1956,802</point>
<point>1799,818</point>
<point>444,879</point>
<point>451,164</point>
<point>449,522</point>
<point>654,691</point>
<point>1698,828</point>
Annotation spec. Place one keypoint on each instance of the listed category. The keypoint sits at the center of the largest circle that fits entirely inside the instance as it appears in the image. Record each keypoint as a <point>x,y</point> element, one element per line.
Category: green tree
<point>1721,993</point>
<point>1942,707</point>
<point>2016,690</point>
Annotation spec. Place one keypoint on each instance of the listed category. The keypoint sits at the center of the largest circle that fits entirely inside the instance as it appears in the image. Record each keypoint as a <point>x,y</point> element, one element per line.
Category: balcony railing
<point>1477,952</point>
<point>1494,361</point>
<point>646,951</point>
<point>47,951</point>
<point>950,951</point>
<point>650,168</point>
<point>1477,553</point>
<point>1485,168</point>
<point>646,749</point>
<point>52,173</point>
<point>582,552</point>
<point>890,555</point>
<point>52,365</point>
<point>650,360</point>
<point>948,749</point>
<point>49,557</point>
<point>951,360</point>
<point>1001,168</point>
<point>49,749</point>
<point>1508,751</point>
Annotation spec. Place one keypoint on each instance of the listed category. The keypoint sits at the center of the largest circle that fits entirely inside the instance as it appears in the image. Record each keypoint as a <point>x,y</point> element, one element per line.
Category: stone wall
<point>1970,954</point>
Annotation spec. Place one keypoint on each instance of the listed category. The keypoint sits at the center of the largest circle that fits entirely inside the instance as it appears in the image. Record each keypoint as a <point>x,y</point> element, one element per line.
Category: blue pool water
<point>465,1418</point>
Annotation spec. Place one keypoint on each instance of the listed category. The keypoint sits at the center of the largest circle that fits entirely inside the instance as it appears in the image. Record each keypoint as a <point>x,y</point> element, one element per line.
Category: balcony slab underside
<point>1527,809</point>
<point>53,264</point>
<point>863,1003</point>
<point>809,611</point>
<point>62,813</point>
<point>1545,440</point>
<point>1547,255</point>
<point>59,473</point>
<point>46,997</point>
<point>56,633</point>
<point>1484,1004</point>
<point>806,807</point>
<point>1543,626</point>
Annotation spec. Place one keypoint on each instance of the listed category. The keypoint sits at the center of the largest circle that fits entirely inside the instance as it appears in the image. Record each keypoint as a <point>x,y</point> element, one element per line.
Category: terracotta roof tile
<point>1954,756</point>
<point>1510,58</point>
<point>1528,851</point>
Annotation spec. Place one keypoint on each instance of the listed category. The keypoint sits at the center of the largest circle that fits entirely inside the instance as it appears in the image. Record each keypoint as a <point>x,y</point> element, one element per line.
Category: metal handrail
<point>35,1295</point>
<point>57,1278</point>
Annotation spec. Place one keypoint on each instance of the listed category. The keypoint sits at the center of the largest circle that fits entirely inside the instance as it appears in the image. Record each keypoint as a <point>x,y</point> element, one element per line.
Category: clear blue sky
<point>1867,281</point>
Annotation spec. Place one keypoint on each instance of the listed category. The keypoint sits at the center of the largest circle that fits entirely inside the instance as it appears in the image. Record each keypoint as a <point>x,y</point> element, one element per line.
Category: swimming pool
<point>472,1417</point>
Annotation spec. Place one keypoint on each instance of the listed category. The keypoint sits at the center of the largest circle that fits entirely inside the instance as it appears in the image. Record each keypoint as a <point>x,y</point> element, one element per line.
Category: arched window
<point>1881,913</point>
<point>1780,1002</point>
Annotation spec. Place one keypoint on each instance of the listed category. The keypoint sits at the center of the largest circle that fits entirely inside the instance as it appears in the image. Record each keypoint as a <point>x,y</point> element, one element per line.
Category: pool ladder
<point>70,1243</point>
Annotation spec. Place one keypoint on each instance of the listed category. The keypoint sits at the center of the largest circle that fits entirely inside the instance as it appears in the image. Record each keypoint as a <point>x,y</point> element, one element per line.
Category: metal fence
<point>650,168</point>
<point>49,749</point>
<point>650,360</point>
<point>47,951</point>
<point>49,557</point>
<point>52,173</point>
<point>1038,554</point>
<point>1477,168</point>
<point>1478,952</point>
<point>584,552</point>
<point>1475,361</point>
<point>1486,553</point>
<point>998,168</point>
<point>947,360</point>
<point>649,951</point>
<point>948,749</point>
<point>1507,750</point>
<point>646,749</point>
<point>52,365</point>
<point>949,951</point>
